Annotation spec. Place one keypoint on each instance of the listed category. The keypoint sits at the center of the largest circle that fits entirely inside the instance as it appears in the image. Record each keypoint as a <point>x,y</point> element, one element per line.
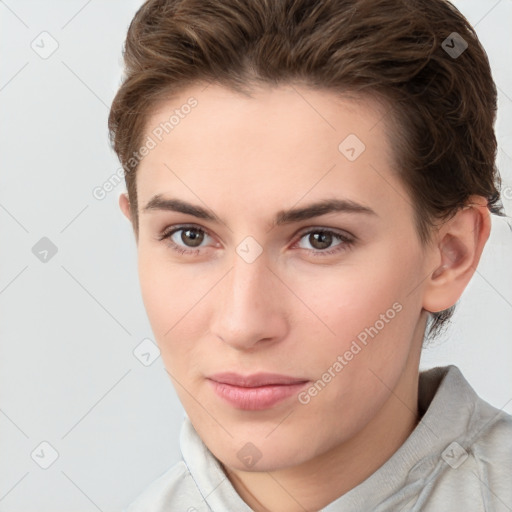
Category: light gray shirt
<point>458,458</point>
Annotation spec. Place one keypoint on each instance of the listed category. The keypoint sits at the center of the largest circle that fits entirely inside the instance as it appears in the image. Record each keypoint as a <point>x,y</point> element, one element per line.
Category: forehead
<point>272,150</point>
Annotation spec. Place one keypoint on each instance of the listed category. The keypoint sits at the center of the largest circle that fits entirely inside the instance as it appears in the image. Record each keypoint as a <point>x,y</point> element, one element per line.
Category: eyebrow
<point>282,217</point>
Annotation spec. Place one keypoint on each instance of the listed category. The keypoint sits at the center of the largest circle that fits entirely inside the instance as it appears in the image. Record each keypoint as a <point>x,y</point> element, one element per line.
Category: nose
<point>249,308</point>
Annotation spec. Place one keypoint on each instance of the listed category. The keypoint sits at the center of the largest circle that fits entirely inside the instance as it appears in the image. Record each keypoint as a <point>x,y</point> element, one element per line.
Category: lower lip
<point>256,398</point>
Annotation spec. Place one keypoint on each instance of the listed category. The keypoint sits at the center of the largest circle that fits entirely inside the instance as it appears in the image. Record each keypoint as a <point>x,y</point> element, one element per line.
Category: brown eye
<point>320,240</point>
<point>185,239</point>
<point>324,242</point>
<point>191,237</point>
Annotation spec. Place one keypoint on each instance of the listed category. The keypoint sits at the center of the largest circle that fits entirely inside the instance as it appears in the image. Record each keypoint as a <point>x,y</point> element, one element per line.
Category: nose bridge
<point>248,277</point>
<point>247,286</point>
<point>248,309</point>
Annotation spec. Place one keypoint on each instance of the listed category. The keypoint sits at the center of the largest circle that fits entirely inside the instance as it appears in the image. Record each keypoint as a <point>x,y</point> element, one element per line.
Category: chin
<point>261,455</point>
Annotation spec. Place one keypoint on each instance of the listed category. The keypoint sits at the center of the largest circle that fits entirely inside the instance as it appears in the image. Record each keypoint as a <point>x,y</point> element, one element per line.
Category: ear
<point>459,245</point>
<point>124,204</point>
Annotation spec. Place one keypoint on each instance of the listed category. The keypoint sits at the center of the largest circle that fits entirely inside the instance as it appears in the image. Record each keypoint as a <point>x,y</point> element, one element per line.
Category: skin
<point>290,311</point>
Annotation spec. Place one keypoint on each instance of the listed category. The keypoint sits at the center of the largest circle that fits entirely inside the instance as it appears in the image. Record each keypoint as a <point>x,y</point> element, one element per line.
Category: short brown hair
<point>442,106</point>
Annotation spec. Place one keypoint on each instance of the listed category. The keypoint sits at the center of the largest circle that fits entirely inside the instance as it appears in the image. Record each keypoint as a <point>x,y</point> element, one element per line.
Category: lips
<point>255,392</point>
<point>254,380</point>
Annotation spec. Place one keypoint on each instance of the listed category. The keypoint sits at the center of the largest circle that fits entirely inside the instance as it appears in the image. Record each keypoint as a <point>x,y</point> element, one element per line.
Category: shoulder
<point>173,490</point>
<point>489,429</point>
<point>491,445</point>
<point>485,429</point>
<point>475,467</point>
<point>476,470</point>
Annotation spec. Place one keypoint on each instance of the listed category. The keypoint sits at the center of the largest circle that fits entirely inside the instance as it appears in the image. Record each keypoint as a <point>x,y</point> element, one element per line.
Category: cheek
<point>348,299</point>
<point>168,289</point>
<point>364,312</point>
<point>365,354</point>
<point>174,296</point>
<point>156,292</point>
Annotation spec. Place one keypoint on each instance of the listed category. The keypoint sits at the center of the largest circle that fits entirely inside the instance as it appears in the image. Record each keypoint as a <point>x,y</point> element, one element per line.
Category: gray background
<point>69,325</point>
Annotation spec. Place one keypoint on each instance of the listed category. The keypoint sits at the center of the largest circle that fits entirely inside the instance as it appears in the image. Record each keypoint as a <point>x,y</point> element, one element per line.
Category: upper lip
<point>254,380</point>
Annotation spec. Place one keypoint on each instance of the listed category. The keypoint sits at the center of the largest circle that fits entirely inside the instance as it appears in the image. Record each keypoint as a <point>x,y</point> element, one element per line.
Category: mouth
<point>257,391</point>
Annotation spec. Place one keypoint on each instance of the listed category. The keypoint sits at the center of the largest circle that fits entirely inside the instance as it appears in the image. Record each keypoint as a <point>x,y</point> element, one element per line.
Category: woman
<point>310,187</point>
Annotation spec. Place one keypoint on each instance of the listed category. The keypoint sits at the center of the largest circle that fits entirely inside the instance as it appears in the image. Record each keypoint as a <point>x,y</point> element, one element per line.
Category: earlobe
<point>462,240</point>
<point>124,204</point>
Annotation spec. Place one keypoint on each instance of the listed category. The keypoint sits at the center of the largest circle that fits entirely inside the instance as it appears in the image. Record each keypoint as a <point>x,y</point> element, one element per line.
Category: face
<point>240,273</point>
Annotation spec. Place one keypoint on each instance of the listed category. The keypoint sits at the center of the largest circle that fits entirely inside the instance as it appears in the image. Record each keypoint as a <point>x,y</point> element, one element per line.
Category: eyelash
<point>347,242</point>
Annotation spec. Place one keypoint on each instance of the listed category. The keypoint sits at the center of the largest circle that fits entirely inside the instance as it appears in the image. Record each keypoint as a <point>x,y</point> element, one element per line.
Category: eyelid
<point>346,239</point>
<point>344,235</point>
<point>169,230</point>
<point>167,233</point>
